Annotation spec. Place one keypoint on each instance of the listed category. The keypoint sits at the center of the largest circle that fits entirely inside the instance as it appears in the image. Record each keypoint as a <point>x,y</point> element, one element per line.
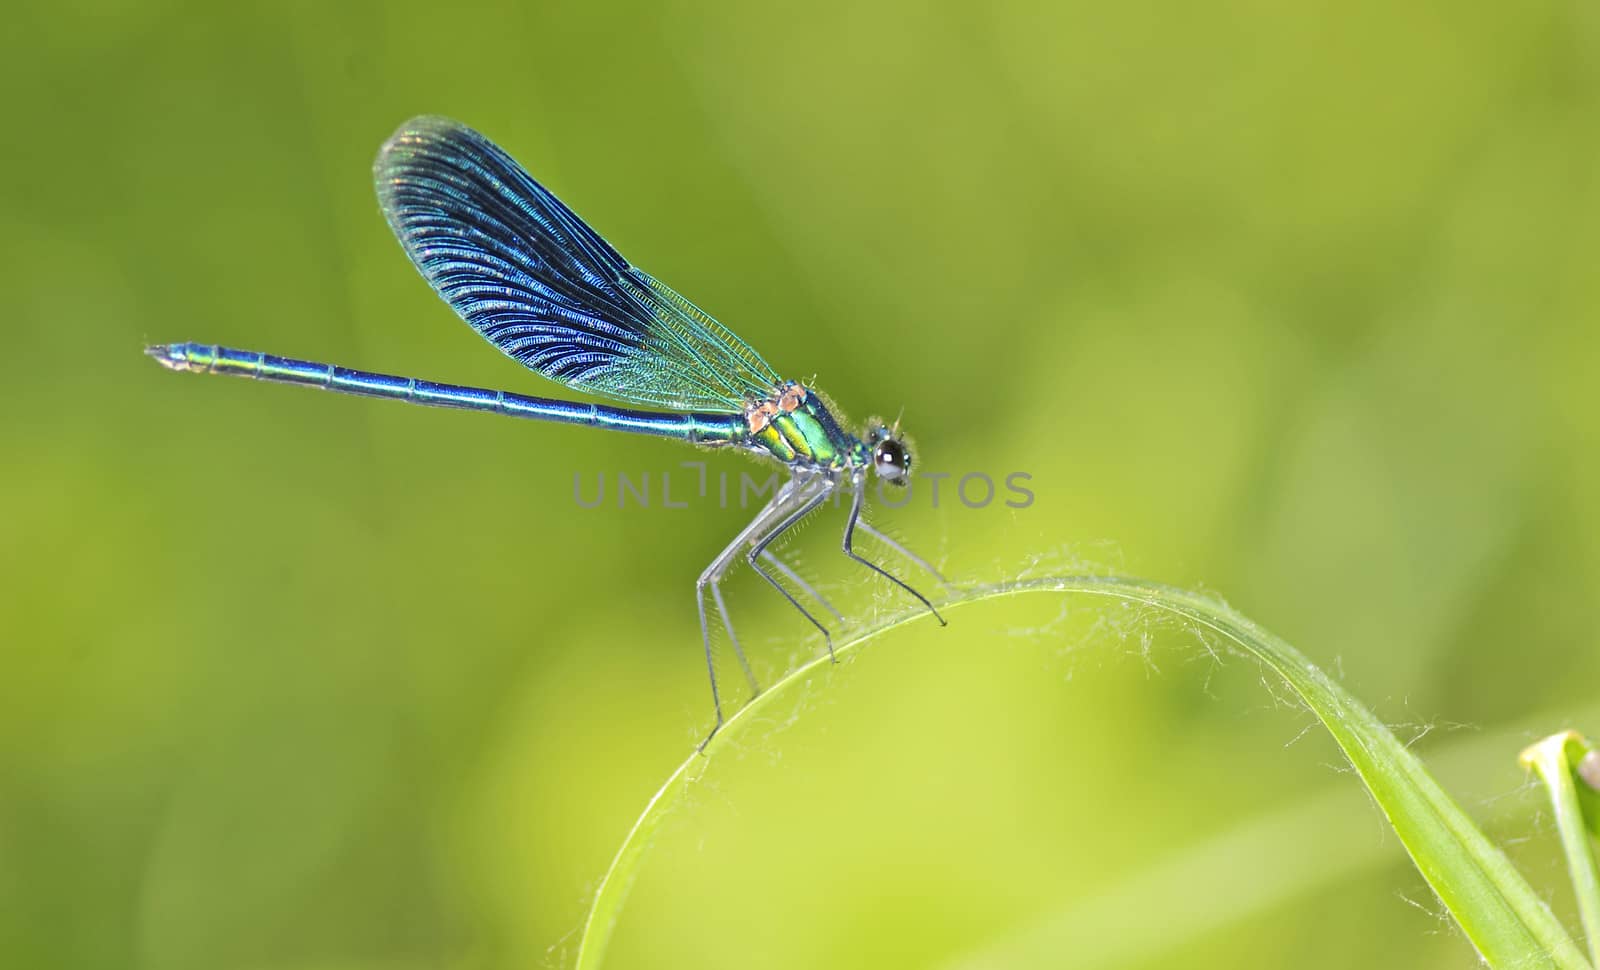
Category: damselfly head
<point>891,458</point>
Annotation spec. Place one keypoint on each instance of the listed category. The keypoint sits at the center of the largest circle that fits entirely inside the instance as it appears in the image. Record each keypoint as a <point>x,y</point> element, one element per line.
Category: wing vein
<point>534,280</point>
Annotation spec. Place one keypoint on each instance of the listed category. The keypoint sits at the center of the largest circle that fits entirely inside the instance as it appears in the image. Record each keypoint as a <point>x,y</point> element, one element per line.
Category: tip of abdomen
<point>172,356</point>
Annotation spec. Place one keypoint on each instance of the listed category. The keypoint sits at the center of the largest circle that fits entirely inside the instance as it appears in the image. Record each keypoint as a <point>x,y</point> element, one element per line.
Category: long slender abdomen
<point>708,429</point>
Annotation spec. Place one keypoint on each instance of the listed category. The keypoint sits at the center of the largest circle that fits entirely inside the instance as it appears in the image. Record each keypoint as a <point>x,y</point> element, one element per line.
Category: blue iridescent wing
<point>530,276</point>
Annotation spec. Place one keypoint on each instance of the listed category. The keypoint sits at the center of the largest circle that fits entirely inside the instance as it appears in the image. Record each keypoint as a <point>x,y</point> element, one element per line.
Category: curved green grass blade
<point>1496,908</point>
<point>1265,860</point>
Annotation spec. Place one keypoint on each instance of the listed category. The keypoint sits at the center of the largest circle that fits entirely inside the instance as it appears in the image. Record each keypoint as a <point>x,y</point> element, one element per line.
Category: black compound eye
<point>889,460</point>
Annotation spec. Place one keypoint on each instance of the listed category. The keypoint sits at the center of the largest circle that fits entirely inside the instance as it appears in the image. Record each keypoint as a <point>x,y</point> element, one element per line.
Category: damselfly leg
<point>905,553</point>
<point>713,575</point>
<point>810,505</point>
<point>771,559</point>
<point>796,500</point>
<point>797,493</point>
<point>858,487</point>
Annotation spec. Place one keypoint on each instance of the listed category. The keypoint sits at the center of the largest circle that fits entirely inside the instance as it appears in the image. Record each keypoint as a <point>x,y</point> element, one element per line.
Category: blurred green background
<point>1292,302</point>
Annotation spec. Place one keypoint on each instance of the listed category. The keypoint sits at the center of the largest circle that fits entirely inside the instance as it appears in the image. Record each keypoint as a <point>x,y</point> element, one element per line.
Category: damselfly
<point>539,284</point>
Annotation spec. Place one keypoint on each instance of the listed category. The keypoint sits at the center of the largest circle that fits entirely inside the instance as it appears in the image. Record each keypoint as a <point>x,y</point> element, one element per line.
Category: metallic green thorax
<point>796,427</point>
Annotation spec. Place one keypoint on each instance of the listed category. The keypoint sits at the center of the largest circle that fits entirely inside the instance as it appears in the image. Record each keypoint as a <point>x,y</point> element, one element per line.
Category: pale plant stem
<point>1555,760</point>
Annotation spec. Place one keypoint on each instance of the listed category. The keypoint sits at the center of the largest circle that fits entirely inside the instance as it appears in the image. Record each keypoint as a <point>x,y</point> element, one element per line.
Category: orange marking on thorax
<point>793,396</point>
<point>784,401</point>
<point>760,416</point>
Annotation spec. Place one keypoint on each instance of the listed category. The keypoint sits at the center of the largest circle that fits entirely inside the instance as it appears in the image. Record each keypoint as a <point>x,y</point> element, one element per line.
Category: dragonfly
<point>533,279</point>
